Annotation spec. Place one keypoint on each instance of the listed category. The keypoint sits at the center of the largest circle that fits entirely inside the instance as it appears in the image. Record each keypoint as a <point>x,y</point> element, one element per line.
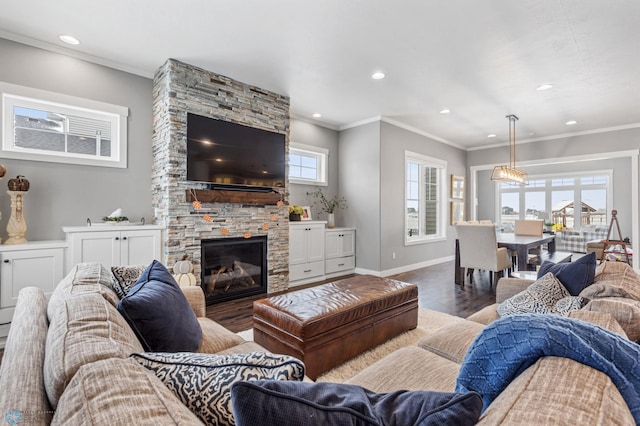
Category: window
<point>554,199</point>
<point>424,198</point>
<point>46,126</point>
<point>307,164</point>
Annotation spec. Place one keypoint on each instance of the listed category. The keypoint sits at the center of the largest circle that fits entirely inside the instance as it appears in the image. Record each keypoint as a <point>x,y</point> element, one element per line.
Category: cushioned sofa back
<point>83,278</point>
<point>85,328</point>
<point>22,394</point>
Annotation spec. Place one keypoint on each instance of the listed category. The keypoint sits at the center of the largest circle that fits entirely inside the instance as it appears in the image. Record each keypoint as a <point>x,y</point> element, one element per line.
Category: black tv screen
<point>230,154</point>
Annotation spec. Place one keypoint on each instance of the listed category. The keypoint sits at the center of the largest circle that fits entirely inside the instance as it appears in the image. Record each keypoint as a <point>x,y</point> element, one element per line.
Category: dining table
<point>521,244</point>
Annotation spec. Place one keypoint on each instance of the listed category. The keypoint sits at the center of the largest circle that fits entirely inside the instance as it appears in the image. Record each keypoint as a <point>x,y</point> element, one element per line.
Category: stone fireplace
<point>180,88</point>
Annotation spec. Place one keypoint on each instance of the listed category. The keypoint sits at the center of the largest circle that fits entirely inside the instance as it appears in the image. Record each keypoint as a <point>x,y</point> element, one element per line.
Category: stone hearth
<point>180,88</point>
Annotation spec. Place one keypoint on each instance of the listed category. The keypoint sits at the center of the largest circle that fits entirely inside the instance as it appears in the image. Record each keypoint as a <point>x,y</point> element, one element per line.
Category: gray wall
<point>310,134</point>
<point>67,194</point>
<point>359,171</point>
<point>394,142</point>
<point>622,140</point>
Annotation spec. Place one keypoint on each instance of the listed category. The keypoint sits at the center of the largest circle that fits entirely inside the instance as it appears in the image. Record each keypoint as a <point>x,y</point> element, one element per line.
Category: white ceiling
<point>480,59</point>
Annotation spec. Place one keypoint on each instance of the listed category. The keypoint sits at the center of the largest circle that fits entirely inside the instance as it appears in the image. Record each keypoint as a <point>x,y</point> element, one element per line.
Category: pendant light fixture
<point>510,173</point>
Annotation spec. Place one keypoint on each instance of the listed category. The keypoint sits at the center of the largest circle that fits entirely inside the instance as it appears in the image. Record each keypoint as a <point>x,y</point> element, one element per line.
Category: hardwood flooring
<point>436,290</point>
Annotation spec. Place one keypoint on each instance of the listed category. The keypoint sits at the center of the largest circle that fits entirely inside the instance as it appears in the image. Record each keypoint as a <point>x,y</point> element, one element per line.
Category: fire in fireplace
<point>233,268</point>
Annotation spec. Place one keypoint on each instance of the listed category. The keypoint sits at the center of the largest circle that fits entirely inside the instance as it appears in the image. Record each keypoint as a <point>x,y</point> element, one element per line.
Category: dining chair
<point>479,250</point>
<point>533,228</point>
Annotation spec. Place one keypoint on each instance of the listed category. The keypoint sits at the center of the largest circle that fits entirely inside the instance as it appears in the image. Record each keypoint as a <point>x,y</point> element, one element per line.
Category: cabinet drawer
<point>340,264</point>
<point>306,270</point>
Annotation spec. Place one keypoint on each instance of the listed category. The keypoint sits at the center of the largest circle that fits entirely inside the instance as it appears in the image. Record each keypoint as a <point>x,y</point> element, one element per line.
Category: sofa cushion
<point>125,277</point>
<point>614,279</point>
<point>263,403</point>
<point>539,298</point>
<point>216,338</point>
<point>428,371</point>
<point>203,381</point>
<point>83,278</point>
<point>559,391</point>
<point>85,328</point>
<point>452,342</point>
<point>159,313</point>
<point>625,311</point>
<point>119,391</point>
<point>575,276</point>
<point>603,319</point>
<point>21,371</point>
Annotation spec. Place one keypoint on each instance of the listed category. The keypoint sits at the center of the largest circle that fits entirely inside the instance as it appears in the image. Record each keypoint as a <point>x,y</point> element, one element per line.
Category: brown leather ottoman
<point>328,324</point>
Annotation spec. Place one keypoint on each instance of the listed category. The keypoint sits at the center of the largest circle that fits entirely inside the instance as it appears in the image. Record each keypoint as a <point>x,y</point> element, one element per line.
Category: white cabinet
<point>306,251</point>
<point>38,264</point>
<point>340,251</point>
<point>114,245</point>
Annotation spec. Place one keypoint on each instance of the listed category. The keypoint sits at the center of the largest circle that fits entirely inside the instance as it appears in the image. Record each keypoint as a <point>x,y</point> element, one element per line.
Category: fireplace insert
<point>233,268</point>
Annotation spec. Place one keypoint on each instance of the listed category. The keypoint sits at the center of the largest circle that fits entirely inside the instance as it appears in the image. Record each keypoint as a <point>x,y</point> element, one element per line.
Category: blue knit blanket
<point>510,345</point>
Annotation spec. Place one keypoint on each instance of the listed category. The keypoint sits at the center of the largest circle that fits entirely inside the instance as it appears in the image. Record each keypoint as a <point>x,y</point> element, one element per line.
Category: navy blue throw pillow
<point>280,403</point>
<point>159,313</point>
<point>575,276</point>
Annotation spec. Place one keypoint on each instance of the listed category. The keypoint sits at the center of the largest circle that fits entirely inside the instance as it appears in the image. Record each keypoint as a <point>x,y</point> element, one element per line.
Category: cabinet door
<point>103,247</point>
<point>297,245</point>
<point>139,247</point>
<point>348,243</point>
<point>315,243</point>
<point>333,244</point>
<point>29,268</point>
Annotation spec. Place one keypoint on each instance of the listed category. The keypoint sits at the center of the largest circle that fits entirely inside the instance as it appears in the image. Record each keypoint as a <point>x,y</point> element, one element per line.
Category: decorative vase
<point>294,217</point>
<point>331,220</point>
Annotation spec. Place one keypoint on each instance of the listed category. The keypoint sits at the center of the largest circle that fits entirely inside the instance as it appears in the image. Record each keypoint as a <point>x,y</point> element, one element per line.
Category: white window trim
<point>323,163</point>
<point>442,199</point>
<point>35,98</point>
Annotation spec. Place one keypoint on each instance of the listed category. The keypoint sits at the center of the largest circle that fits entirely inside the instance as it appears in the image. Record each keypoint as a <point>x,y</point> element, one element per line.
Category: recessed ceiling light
<point>317,115</point>
<point>491,135</point>
<point>570,122</point>
<point>545,86</point>
<point>445,111</point>
<point>69,39</point>
<point>378,75</point>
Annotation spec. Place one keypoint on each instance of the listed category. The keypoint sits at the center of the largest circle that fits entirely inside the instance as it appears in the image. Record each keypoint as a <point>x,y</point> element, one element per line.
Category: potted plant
<point>549,226</point>
<point>328,205</point>
<point>295,213</point>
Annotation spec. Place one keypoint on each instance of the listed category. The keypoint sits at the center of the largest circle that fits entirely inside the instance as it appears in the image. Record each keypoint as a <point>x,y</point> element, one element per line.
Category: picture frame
<point>457,187</point>
<point>456,211</point>
<point>306,213</point>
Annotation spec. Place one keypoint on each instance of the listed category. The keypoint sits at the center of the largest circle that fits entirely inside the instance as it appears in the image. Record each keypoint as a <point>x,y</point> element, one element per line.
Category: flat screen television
<point>231,155</point>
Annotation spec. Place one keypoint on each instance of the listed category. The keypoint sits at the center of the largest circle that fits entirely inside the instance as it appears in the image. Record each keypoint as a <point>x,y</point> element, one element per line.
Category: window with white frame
<point>572,201</point>
<point>425,198</point>
<point>45,126</point>
<point>307,164</point>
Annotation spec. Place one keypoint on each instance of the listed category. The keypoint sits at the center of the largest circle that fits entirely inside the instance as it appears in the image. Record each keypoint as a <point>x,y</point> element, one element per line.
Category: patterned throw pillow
<point>568,304</point>
<point>267,403</point>
<point>539,298</point>
<point>203,381</point>
<point>125,277</point>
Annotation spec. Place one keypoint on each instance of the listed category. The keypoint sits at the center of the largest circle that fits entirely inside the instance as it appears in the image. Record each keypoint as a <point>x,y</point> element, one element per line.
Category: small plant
<point>115,218</point>
<point>328,205</point>
<point>293,209</point>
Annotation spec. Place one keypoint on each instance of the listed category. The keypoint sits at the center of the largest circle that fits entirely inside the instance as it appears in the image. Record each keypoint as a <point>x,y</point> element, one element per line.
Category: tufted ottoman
<point>326,325</point>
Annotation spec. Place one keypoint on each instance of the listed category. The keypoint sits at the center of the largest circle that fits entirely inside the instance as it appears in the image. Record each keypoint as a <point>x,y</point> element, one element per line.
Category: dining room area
<point>484,246</point>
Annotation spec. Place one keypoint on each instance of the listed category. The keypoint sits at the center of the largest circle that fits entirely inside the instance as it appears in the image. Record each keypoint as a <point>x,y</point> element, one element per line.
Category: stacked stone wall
<point>180,88</point>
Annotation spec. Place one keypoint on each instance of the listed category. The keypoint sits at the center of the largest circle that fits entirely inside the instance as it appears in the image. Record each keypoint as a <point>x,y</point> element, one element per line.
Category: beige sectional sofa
<point>71,365</point>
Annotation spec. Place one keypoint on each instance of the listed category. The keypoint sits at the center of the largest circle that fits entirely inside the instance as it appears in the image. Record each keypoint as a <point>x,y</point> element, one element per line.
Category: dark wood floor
<point>436,290</point>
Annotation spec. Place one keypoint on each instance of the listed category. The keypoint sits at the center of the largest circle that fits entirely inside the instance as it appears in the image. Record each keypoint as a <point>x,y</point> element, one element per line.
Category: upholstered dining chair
<point>479,250</point>
<point>532,228</point>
